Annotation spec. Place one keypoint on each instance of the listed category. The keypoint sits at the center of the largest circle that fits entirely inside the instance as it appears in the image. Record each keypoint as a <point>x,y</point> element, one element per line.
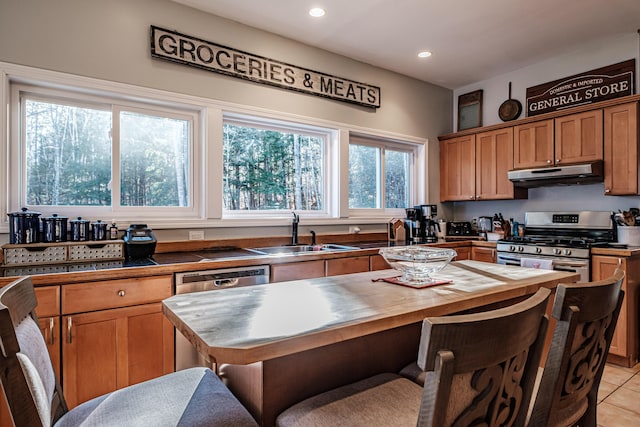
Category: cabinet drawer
<point>48,301</point>
<point>93,296</point>
<point>349,265</point>
<point>83,252</point>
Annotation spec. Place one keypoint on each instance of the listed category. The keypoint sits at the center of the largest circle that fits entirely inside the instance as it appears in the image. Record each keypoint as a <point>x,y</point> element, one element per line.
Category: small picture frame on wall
<point>470,110</point>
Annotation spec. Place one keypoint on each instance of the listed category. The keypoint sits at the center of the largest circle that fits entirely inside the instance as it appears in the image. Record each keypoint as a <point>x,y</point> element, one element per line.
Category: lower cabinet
<point>377,262</point>
<point>357,264</point>
<point>464,252</point>
<point>106,350</point>
<point>114,335</point>
<point>297,270</point>
<point>479,253</point>
<point>624,346</point>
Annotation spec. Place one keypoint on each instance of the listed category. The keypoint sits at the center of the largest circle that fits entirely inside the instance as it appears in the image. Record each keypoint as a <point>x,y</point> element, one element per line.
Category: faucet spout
<point>294,228</point>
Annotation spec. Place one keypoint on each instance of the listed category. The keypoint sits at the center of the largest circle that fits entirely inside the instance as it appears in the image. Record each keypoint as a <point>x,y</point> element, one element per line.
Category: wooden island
<point>280,343</point>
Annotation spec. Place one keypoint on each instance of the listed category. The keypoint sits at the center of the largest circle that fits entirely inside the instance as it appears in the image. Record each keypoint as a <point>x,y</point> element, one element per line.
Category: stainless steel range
<point>559,240</point>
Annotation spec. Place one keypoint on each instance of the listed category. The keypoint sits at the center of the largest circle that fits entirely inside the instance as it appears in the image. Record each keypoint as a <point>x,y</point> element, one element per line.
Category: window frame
<point>417,179</point>
<point>115,105</point>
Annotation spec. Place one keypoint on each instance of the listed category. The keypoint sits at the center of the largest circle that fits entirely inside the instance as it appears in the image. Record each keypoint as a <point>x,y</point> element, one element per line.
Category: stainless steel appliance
<point>198,281</point>
<point>562,239</point>
<point>24,227</point>
<point>139,242</point>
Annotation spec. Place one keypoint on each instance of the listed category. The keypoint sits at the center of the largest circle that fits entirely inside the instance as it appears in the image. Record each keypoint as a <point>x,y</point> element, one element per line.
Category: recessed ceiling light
<point>316,12</point>
<point>424,54</point>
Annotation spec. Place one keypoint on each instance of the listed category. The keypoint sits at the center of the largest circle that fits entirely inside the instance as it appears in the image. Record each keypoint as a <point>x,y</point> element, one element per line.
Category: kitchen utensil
<point>510,109</point>
<point>98,230</point>
<point>417,263</point>
<point>24,227</point>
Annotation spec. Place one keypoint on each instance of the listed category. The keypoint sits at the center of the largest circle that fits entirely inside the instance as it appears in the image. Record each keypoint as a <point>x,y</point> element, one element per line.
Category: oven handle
<point>570,264</point>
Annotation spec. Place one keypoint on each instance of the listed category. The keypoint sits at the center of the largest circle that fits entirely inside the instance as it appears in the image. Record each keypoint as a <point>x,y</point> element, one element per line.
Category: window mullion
<point>115,158</point>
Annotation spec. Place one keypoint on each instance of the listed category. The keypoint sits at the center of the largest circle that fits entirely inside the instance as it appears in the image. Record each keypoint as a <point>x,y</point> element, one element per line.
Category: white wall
<point>495,91</point>
<point>110,40</point>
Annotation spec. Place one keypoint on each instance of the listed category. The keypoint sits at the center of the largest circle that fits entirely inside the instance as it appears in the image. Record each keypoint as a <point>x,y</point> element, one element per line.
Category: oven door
<point>573,265</point>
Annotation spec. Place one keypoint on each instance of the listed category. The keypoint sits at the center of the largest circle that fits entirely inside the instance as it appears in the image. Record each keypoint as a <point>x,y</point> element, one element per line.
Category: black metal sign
<point>596,85</point>
<point>183,49</point>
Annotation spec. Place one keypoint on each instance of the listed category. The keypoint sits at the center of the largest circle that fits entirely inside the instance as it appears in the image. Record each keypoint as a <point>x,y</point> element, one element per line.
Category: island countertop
<point>257,323</point>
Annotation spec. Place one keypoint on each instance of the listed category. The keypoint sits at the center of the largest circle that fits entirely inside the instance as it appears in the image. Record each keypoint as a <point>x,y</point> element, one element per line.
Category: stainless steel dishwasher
<point>206,280</point>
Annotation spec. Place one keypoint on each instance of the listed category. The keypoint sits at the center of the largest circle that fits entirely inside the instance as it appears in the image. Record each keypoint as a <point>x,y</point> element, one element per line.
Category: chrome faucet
<point>313,237</point>
<point>294,228</point>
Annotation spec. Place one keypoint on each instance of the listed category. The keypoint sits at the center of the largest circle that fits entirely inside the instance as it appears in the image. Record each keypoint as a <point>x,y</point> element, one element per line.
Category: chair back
<point>481,367</point>
<point>28,379</point>
<point>586,315</point>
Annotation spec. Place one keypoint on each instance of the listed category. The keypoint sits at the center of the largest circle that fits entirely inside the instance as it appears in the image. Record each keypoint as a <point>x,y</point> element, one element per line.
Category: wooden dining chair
<point>586,316</point>
<point>192,397</point>
<point>480,370</point>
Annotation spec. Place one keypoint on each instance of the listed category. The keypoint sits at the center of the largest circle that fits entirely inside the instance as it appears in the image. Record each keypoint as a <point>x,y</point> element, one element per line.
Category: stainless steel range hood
<point>584,173</point>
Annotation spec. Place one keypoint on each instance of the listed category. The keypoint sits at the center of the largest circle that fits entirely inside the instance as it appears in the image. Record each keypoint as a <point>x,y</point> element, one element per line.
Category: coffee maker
<point>429,226</point>
<point>412,229</point>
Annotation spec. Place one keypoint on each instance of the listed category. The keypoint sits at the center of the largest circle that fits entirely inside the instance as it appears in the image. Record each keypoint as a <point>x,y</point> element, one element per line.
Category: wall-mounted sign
<point>597,85</point>
<point>183,49</point>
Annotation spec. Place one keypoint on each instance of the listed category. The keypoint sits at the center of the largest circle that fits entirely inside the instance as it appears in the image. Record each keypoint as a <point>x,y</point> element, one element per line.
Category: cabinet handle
<point>51,329</point>
<point>69,326</point>
<point>121,293</point>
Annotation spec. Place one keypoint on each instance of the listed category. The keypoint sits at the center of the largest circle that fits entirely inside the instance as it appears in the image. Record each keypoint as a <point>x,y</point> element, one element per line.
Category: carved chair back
<point>31,388</point>
<point>586,315</point>
<point>481,368</point>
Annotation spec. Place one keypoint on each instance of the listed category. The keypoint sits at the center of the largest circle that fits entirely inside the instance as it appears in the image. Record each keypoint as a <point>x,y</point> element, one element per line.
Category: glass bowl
<point>417,263</point>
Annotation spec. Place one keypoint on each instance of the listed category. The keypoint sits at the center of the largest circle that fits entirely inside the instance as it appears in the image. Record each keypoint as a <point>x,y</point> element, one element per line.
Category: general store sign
<point>195,52</point>
<point>593,86</point>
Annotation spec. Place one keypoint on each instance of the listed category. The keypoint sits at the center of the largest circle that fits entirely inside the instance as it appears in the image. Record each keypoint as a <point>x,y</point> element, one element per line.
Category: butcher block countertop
<point>257,323</point>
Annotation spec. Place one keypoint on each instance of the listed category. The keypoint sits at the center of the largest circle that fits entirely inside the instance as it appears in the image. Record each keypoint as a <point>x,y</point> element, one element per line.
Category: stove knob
<point>512,248</point>
<point>538,250</point>
<point>520,248</point>
<point>557,251</point>
<point>567,252</point>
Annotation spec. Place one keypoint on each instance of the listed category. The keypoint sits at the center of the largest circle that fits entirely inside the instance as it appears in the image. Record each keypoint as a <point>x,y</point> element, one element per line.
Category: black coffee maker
<point>412,230</point>
<point>429,227</point>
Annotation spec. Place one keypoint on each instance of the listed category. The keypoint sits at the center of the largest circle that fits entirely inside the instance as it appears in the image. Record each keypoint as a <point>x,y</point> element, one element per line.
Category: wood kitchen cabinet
<point>48,311</point>
<point>457,168</point>
<point>474,167</point>
<point>297,270</point>
<point>337,266</point>
<point>464,252</point>
<point>621,158</point>
<point>624,346</point>
<point>114,335</point>
<point>377,262</point>
<point>533,145</point>
<point>579,137</point>
<point>479,253</point>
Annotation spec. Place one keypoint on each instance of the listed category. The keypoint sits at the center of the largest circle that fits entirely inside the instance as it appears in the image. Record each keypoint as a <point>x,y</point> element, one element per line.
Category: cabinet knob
<point>471,197</point>
<point>121,293</point>
<point>607,190</point>
<point>549,162</point>
<point>557,160</point>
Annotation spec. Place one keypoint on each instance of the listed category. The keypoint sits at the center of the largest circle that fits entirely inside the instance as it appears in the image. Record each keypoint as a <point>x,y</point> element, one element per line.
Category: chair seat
<point>192,397</point>
<point>381,400</point>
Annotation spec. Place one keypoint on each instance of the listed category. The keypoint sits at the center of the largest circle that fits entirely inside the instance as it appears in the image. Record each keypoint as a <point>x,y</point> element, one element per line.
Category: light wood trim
<point>81,297</point>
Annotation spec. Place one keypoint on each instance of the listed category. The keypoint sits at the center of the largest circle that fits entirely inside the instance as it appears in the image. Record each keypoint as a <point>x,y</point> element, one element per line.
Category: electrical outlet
<point>196,235</point>
<point>354,229</point>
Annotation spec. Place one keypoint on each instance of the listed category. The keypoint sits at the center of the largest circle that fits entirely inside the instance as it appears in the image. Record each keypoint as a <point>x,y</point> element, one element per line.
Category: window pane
<point>68,150</point>
<point>397,169</point>
<point>272,170</point>
<point>154,160</point>
<point>364,170</point>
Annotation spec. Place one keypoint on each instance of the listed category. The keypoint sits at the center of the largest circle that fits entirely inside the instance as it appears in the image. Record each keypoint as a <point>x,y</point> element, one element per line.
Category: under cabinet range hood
<point>584,173</point>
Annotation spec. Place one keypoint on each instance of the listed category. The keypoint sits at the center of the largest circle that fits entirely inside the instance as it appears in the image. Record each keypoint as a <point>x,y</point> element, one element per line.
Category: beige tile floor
<point>619,397</point>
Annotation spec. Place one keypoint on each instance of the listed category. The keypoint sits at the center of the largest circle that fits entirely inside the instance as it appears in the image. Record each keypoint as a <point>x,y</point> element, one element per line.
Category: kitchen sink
<point>301,249</point>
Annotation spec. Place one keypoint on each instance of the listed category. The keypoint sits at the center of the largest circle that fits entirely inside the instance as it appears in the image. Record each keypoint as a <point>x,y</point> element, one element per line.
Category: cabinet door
<point>357,264</point>
<point>106,350</point>
<point>457,168</point>
<point>533,145</point>
<point>494,158</point>
<point>621,150</point>
<point>578,137</point>
<point>377,262</point>
<point>463,253</point>
<point>297,270</point>
<point>603,267</point>
<point>479,253</point>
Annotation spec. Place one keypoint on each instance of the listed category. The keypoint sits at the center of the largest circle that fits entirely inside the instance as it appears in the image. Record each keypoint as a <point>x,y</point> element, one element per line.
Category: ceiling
<point>471,40</point>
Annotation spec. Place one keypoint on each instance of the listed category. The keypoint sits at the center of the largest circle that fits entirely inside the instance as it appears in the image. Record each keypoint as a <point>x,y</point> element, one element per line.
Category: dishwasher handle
<point>225,283</point>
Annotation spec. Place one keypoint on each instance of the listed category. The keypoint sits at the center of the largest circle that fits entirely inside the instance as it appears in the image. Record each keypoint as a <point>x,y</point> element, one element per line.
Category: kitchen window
<point>382,174</point>
<point>272,166</point>
<point>92,156</point>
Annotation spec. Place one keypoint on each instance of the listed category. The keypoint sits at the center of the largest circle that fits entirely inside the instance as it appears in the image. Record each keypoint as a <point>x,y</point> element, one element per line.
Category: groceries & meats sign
<point>183,49</point>
<point>593,86</point>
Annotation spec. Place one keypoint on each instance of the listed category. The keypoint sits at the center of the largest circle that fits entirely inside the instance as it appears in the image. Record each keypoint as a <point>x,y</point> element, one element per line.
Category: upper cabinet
<point>474,167</point>
<point>533,145</point>
<point>621,150</point>
<point>578,137</point>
